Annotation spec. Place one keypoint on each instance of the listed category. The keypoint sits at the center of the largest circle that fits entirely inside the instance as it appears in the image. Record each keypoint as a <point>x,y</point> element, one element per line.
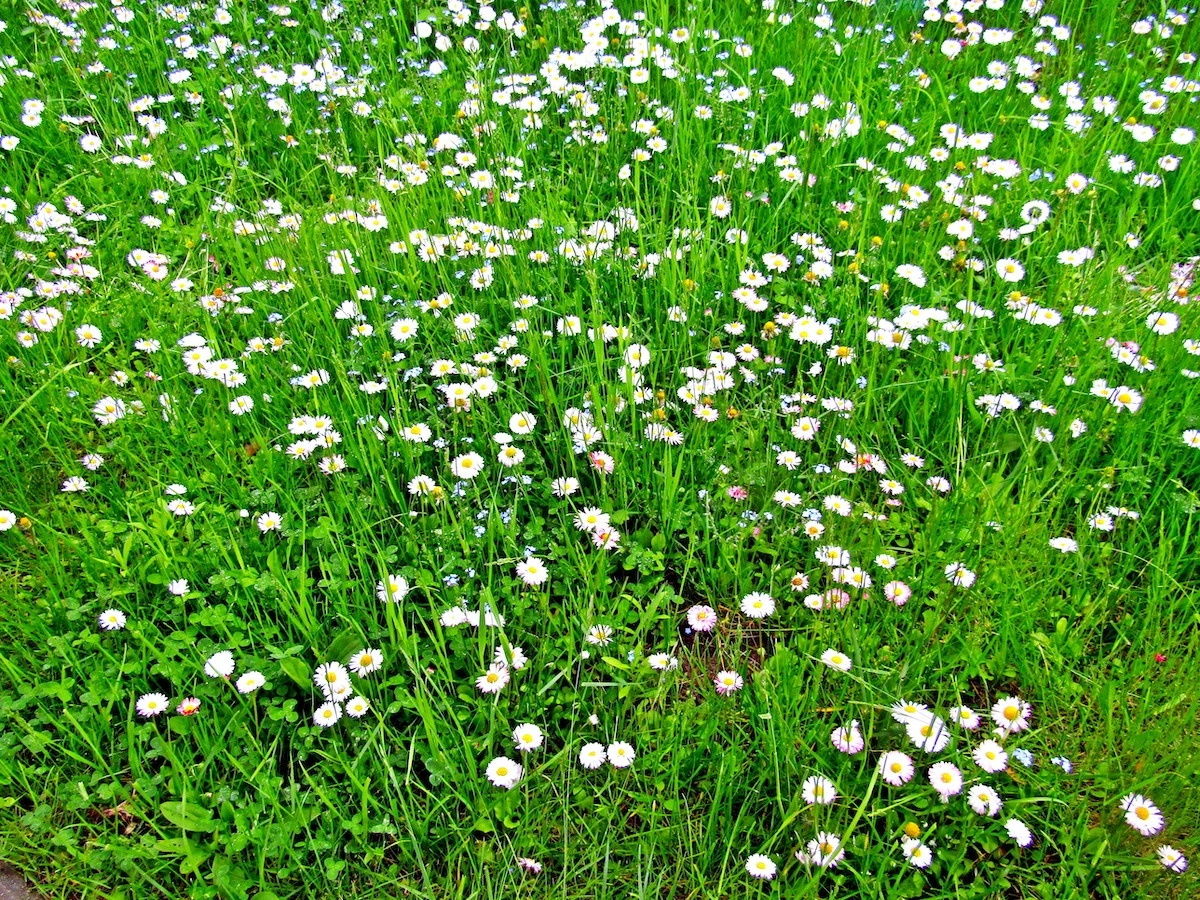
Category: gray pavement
<point>12,885</point>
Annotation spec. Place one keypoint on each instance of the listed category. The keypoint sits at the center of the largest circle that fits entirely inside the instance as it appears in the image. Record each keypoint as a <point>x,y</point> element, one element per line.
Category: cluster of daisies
<point>505,773</point>
<point>221,665</point>
<point>333,680</point>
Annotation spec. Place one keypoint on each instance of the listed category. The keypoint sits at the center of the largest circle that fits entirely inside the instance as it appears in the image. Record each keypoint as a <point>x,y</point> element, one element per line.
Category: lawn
<point>596,451</point>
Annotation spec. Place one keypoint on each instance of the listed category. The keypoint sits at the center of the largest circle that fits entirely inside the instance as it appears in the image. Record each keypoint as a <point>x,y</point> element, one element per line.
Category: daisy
<point>591,518</point>
<point>364,662</point>
<point>188,706</point>
<point>946,779</point>
<point>503,772</point>
<point>896,768</point>
<point>702,618</point>
<point>836,660</point>
<point>356,707</point>
<point>761,866</point>
<point>331,677</point>
<point>467,466</point>
<point>621,754</point>
<point>513,657</point>
<point>250,682</point>
<point>662,662</point>
<point>150,705</point>
<point>965,716</point>
<point>493,680</point>
<point>599,635</point>
<point>592,756</point>
<point>1142,815</point>
<point>984,800</point>
<point>270,521</point>
<point>1172,860</point>
<point>906,711</point>
<point>219,665</point>
<point>1011,715</point>
<point>825,850</point>
<point>917,853</point>
<point>728,682</point>
<point>758,605</point>
<point>990,757</point>
<point>928,733</point>
<point>527,737</point>
<point>327,714</point>
<point>532,571</point>
<point>112,620</point>
<point>391,589</point>
<point>848,739</point>
<point>1019,832</point>
<point>818,790</point>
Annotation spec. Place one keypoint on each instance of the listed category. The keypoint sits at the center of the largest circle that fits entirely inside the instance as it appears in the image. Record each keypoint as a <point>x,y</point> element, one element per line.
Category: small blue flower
<point>1023,756</point>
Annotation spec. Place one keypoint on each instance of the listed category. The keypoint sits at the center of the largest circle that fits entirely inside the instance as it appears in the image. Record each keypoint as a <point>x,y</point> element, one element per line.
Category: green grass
<point>603,284</point>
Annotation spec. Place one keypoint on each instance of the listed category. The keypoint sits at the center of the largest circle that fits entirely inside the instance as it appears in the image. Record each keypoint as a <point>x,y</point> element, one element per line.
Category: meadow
<point>600,450</point>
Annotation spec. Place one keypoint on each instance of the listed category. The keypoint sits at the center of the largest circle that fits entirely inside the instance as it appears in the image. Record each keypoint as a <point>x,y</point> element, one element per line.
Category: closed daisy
<point>1019,832</point>
<point>219,665</point>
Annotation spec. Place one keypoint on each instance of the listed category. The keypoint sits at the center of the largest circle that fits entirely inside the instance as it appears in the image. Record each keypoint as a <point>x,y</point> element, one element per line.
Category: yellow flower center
<point>1142,813</point>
